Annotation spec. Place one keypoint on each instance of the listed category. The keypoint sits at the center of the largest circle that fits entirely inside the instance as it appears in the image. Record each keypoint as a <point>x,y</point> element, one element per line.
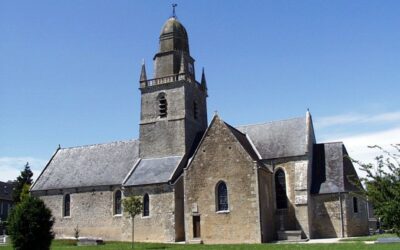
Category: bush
<point>30,225</point>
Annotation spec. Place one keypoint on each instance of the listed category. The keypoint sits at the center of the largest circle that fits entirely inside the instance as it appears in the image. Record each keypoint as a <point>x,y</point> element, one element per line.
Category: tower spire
<point>203,81</point>
<point>143,76</point>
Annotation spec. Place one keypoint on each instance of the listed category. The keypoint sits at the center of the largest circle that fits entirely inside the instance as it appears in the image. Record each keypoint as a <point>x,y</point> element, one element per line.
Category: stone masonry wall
<point>355,223</point>
<point>221,158</point>
<point>91,212</point>
<point>267,207</point>
<point>295,217</point>
<point>326,216</point>
<point>159,226</point>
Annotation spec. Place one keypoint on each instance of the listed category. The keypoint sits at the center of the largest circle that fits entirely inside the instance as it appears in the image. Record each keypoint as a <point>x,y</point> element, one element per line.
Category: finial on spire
<point>173,9</point>
<point>59,146</point>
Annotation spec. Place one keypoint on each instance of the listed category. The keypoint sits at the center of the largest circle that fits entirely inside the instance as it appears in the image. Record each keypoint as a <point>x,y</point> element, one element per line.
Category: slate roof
<point>332,170</point>
<point>278,138</point>
<point>93,165</point>
<point>154,170</point>
<point>6,189</point>
<point>243,140</point>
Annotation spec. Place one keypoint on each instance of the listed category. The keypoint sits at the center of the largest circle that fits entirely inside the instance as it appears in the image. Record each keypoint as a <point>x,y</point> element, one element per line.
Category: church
<point>203,182</point>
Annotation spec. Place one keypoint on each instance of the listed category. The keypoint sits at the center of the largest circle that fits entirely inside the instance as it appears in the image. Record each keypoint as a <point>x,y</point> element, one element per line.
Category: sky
<point>69,70</point>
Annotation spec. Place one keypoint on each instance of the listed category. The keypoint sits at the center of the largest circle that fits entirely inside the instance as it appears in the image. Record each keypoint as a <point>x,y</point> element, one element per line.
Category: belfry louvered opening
<point>162,106</point>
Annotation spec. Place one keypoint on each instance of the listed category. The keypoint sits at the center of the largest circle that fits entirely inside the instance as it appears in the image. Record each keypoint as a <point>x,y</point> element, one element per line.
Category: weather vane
<point>173,9</point>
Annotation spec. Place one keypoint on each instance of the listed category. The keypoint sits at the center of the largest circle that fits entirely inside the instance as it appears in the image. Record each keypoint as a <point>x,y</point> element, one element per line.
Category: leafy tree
<point>382,183</point>
<point>25,178</point>
<point>132,206</point>
<point>30,225</point>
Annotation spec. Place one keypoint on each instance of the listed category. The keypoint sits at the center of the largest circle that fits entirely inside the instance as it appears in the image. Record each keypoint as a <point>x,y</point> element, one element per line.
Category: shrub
<point>30,225</point>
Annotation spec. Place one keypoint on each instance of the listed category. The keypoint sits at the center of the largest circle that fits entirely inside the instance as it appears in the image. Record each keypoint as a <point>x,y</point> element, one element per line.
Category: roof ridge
<point>269,122</point>
<point>143,159</point>
<point>232,127</point>
<point>99,144</point>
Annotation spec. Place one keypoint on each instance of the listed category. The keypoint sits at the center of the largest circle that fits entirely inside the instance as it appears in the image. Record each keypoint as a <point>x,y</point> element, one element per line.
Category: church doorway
<point>196,226</point>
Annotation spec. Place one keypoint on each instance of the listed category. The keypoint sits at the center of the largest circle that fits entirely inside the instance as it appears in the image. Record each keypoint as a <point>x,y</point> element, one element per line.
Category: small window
<point>195,110</point>
<point>67,205</point>
<point>355,205</point>
<point>280,190</point>
<point>117,202</point>
<point>162,106</point>
<point>146,211</point>
<point>222,197</point>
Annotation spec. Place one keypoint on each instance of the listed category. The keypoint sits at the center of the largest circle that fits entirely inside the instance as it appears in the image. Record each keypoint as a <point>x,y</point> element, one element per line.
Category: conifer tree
<point>25,178</point>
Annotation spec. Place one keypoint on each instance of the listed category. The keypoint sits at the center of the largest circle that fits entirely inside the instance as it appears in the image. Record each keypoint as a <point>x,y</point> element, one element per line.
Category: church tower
<point>173,104</point>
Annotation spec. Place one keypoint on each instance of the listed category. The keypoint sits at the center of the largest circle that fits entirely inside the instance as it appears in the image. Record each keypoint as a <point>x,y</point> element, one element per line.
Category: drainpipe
<point>341,215</point>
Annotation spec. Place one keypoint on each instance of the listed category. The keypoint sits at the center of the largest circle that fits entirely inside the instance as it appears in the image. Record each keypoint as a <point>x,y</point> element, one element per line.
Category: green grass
<point>68,245</point>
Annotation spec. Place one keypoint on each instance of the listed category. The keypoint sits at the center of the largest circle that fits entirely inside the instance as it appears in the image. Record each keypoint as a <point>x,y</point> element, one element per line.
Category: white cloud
<point>10,167</point>
<point>356,118</point>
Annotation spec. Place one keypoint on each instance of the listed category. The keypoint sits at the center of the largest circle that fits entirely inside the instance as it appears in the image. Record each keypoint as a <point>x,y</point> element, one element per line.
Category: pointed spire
<point>143,76</point>
<point>203,81</point>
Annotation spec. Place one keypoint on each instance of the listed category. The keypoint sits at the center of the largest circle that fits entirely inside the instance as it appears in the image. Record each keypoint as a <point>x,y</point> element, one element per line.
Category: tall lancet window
<point>67,205</point>
<point>280,189</point>
<point>222,196</point>
<point>117,202</point>
<point>146,210</point>
<point>162,106</point>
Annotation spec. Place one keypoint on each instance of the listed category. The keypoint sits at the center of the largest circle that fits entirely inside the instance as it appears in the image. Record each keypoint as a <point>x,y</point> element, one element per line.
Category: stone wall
<point>356,223</point>
<point>296,216</point>
<point>91,212</point>
<point>326,216</point>
<point>267,207</point>
<point>221,158</point>
<point>159,226</point>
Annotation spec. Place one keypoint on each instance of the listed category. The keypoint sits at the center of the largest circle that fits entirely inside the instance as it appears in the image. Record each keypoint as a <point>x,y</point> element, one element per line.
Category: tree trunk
<point>133,230</point>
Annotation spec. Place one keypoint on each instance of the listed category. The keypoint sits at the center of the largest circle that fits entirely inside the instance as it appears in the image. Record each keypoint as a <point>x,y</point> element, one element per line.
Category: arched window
<point>355,205</point>
<point>162,106</point>
<point>280,189</point>
<point>117,202</point>
<point>146,210</point>
<point>67,205</point>
<point>222,196</point>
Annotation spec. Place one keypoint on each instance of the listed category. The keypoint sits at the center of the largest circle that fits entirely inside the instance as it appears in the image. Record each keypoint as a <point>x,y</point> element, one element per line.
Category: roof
<point>278,138</point>
<point>332,170</point>
<point>243,140</point>
<point>172,25</point>
<point>154,170</point>
<point>93,165</point>
<point>6,189</point>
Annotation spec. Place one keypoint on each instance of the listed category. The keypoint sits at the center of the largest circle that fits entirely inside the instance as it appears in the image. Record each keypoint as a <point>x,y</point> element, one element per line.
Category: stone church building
<point>199,181</point>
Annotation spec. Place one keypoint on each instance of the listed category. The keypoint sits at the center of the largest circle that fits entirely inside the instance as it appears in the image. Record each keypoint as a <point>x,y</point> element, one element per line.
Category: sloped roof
<point>332,170</point>
<point>154,170</point>
<point>243,140</point>
<point>93,165</point>
<point>278,138</point>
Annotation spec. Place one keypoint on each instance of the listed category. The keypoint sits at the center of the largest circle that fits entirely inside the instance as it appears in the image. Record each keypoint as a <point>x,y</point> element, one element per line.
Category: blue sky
<point>69,70</point>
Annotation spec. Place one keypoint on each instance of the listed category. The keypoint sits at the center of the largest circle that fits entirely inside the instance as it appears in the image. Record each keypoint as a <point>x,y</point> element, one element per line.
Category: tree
<point>30,225</point>
<point>382,186</point>
<point>132,206</point>
<point>25,178</point>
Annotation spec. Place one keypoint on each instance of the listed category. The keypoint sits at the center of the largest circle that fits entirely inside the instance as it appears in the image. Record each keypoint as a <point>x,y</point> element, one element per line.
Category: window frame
<point>218,198</point>
<point>281,200</point>
<point>64,210</point>
<point>117,205</point>
<point>355,205</point>
<point>162,101</point>
<point>146,204</point>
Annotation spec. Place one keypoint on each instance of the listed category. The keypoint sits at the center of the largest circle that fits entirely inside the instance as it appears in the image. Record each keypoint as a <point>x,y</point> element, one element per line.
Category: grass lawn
<point>64,245</point>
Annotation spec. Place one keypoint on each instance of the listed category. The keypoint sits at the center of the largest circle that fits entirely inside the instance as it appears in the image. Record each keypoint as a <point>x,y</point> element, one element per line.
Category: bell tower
<point>173,104</point>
